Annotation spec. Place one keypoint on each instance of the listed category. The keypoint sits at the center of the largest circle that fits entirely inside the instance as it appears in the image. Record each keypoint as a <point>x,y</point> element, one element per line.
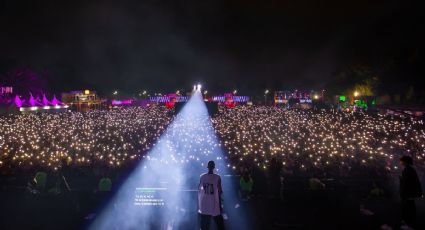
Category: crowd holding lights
<point>302,139</point>
<point>309,139</point>
<point>95,137</point>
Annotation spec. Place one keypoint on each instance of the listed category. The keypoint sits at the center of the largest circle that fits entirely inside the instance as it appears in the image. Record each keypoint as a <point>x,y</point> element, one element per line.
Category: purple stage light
<point>45,101</point>
<point>18,101</point>
<point>32,101</point>
<point>54,101</point>
<point>122,102</point>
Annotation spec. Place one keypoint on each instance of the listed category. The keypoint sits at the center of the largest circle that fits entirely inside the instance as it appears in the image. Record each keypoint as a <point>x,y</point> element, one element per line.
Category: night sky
<point>225,44</point>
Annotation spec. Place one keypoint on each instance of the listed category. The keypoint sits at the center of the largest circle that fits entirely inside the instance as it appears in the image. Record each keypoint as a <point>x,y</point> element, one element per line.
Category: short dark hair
<point>407,159</point>
<point>211,164</point>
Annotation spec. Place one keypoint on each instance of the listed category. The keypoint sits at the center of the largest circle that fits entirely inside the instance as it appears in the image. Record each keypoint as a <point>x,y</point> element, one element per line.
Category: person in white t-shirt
<point>209,192</point>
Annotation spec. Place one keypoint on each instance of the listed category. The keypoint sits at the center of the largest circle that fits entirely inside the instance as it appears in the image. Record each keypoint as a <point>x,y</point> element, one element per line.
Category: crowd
<point>352,157</point>
<point>97,137</point>
<point>262,144</point>
<point>315,141</point>
<point>303,140</point>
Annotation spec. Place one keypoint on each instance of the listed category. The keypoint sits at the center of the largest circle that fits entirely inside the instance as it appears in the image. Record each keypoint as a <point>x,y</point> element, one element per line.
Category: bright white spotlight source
<point>199,87</point>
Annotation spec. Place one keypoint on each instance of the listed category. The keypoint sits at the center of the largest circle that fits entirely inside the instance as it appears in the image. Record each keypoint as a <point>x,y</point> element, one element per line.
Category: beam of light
<point>161,193</point>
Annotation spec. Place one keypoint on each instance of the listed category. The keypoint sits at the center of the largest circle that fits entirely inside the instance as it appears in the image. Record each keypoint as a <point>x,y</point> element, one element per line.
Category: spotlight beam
<point>157,195</point>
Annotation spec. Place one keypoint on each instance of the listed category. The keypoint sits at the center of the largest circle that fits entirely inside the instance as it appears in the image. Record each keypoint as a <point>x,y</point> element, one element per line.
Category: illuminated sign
<point>235,98</point>
<point>6,90</point>
<point>122,102</point>
<point>305,101</point>
<point>163,99</point>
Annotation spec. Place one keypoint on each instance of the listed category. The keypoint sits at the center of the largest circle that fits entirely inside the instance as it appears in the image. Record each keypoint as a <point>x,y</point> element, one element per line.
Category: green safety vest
<point>40,180</point>
<point>105,184</point>
<point>246,185</point>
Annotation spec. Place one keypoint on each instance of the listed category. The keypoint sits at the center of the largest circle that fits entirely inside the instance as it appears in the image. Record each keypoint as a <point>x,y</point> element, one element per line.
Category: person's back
<point>410,186</point>
<point>410,189</point>
<point>208,195</point>
<point>209,192</point>
<point>105,184</point>
<point>40,179</point>
<point>246,183</point>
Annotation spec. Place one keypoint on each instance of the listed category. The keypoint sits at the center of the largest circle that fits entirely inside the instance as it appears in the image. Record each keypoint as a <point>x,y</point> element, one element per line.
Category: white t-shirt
<point>208,195</point>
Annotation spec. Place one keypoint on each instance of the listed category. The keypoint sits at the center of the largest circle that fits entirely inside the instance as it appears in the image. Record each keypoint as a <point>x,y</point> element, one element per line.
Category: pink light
<point>18,101</point>
<point>32,101</point>
<point>54,101</point>
<point>45,101</point>
<point>122,102</point>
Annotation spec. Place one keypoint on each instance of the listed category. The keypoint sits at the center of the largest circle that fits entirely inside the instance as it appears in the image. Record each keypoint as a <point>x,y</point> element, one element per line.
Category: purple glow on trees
<point>32,101</point>
<point>45,101</point>
<point>54,101</point>
<point>18,102</point>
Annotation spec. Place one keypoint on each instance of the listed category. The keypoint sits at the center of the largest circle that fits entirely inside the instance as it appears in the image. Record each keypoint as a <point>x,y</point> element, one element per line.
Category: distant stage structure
<point>83,100</point>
